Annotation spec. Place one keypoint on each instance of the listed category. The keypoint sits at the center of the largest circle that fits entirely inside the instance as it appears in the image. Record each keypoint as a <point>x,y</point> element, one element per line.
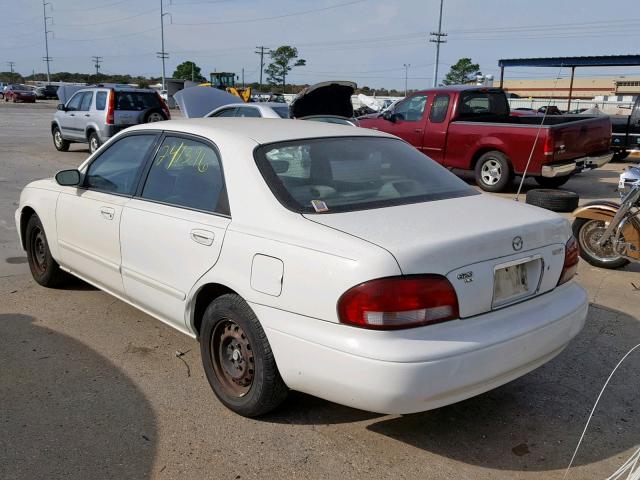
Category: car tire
<point>580,229</point>
<point>619,156</point>
<point>44,269</point>
<point>493,171</point>
<point>94,142</point>
<point>60,143</point>
<point>552,182</point>
<point>554,200</point>
<point>152,115</point>
<point>238,360</point>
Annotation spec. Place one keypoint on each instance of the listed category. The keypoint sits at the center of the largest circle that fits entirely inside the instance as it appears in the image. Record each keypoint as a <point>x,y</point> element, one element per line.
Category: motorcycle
<point>608,232</point>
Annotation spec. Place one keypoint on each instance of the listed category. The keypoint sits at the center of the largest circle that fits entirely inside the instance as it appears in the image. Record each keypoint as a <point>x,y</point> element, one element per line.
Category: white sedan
<point>335,261</point>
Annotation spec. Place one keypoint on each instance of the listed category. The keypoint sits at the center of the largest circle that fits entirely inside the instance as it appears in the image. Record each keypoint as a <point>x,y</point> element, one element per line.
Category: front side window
<point>74,103</point>
<point>353,173</point>
<point>248,112</point>
<point>439,109</point>
<point>85,105</point>
<point>411,109</point>
<point>187,173</point>
<point>116,170</point>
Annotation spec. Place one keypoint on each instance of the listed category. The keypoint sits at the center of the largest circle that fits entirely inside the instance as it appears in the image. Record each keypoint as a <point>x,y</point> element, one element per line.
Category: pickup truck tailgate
<point>581,138</point>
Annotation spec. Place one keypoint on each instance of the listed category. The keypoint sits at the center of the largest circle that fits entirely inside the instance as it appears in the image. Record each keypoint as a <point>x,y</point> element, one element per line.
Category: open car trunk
<point>325,98</point>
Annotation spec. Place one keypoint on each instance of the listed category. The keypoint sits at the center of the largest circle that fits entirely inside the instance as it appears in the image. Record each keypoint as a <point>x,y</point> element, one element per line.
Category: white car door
<point>88,217</point>
<point>172,231</point>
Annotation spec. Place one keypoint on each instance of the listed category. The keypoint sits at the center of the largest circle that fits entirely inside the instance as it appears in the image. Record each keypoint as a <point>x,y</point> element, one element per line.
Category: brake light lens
<point>549,145</point>
<point>399,302</point>
<point>571,257</point>
<point>111,107</point>
<point>165,107</point>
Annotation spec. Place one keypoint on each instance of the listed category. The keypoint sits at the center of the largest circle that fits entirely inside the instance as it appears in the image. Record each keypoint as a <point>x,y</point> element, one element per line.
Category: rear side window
<point>85,105</point>
<point>137,101</point>
<point>248,112</point>
<point>187,173</point>
<point>117,168</point>
<point>227,112</point>
<point>439,109</point>
<point>101,100</point>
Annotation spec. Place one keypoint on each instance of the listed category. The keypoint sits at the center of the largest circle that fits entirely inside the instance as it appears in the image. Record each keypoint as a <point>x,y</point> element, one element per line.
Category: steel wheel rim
<point>93,144</point>
<point>491,172</point>
<point>589,234</point>
<point>154,117</point>
<point>232,358</point>
<point>57,138</point>
<point>39,250</point>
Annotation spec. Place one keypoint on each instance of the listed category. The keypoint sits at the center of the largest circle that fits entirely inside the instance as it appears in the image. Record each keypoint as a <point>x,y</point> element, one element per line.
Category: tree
<point>283,59</point>
<point>462,72</point>
<point>188,71</point>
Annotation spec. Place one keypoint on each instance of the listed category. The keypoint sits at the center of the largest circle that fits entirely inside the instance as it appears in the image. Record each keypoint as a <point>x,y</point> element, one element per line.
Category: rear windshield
<point>283,112</point>
<point>136,101</point>
<point>342,174</point>
<point>482,102</point>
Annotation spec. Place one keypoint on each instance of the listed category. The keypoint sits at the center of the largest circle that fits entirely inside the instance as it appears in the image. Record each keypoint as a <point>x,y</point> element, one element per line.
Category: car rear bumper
<point>576,166</point>
<point>419,369</point>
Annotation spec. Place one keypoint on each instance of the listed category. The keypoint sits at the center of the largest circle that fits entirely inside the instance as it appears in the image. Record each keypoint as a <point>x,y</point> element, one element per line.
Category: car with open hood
<point>340,262</point>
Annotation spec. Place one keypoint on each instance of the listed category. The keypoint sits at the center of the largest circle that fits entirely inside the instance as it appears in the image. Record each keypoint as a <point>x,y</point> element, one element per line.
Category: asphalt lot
<point>92,388</point>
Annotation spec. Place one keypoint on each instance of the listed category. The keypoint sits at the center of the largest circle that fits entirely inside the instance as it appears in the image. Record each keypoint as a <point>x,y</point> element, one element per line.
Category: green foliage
<point>188,70</point>
<point>283,59</point>
<point>462,72</point>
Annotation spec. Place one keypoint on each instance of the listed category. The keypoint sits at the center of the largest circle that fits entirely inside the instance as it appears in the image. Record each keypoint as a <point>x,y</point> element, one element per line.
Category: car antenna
<point>535,140</point>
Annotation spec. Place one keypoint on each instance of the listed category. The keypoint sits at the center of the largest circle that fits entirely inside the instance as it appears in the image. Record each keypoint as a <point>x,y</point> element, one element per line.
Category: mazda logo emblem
<point>517,243</point>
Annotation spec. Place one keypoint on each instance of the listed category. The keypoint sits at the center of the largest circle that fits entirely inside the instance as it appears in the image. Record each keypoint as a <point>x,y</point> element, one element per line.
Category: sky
<point>367,41</point>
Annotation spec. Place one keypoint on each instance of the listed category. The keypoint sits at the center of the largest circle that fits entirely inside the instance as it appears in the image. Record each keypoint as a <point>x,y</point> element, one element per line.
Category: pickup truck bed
<point>471,128</point>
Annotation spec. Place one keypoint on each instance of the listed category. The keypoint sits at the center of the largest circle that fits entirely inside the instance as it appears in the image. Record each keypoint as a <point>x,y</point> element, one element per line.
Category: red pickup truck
<point>472,128</point>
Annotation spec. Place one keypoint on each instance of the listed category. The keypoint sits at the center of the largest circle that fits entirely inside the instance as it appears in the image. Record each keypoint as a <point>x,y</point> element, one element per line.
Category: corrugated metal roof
<point>593,61</point>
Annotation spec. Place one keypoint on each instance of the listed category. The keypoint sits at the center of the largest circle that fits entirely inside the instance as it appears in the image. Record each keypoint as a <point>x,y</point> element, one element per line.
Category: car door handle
<point>86,114</point>
<point>107,212</point>
<point>204,237</point>
<point>417,130</point>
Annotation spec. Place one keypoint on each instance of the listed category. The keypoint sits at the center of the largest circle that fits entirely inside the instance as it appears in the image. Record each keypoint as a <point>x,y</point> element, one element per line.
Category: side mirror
<point>62,107</point>
<point>68,178</point>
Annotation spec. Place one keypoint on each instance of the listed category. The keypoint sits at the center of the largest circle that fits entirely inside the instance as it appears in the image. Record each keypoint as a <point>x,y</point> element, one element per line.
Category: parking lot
<point>92,388</point>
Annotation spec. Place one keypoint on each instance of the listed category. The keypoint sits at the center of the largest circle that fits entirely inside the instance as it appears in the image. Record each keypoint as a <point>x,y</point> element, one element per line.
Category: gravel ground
<point>92,388</point>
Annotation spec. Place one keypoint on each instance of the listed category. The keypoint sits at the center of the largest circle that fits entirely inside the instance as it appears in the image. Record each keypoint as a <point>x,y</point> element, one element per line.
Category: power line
<point>96,63</point>
<point>437,39</point>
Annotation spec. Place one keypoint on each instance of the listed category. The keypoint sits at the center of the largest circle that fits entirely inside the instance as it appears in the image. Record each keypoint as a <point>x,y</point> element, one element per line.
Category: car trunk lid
<point>481,244</point>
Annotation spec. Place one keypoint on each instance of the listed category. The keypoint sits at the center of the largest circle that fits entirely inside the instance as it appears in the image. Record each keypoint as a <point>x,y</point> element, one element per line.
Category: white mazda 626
<point>336,261</point>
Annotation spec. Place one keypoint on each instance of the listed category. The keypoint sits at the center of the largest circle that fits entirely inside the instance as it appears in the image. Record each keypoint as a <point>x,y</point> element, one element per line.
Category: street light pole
<point>437,39</point>
<point>406,75</point>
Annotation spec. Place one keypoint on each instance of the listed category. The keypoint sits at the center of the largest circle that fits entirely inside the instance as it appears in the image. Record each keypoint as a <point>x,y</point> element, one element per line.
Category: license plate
<point>510,283</point>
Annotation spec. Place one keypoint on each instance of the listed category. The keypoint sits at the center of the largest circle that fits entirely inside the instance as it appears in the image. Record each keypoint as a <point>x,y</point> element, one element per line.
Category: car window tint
<point>74,103</point>
<point>439,109</point>
<point>117,168</point>
<point>85,105</point>
<point>101,100</point>
<point>411,109</point>
<point>248,112</point>
<point>227,112</point>
<point>186,173</point>
<point>137,101</point>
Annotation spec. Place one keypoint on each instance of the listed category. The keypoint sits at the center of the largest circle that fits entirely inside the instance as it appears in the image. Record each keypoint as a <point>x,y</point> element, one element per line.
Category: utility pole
<point>96,63</point>
<point>162,54</point>
<point>406,75</point>
<point>11,64</point>
<point>46,57</point>
<point>242,77</point>
<point>192,66</point>
<point>437,39</point>
<point>261,51</point>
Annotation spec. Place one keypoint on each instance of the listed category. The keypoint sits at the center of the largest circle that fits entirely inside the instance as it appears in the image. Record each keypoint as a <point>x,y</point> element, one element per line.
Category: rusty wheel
<point>232,359</point>
<point>44,269</point>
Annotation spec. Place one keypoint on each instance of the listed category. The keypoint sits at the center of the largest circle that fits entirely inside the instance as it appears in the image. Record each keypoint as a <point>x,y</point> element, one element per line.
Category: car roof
<point>260,130</point>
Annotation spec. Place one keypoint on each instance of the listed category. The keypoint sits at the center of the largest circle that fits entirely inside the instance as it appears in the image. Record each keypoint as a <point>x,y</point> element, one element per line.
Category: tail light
<point>571,256</point>
<point>399,302</point>
<point>164,105</point>
<point>111,107</point>
<point>549,145</point>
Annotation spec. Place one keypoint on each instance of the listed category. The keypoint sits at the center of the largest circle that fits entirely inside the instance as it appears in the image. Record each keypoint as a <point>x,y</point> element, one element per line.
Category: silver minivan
<point>93,115</point>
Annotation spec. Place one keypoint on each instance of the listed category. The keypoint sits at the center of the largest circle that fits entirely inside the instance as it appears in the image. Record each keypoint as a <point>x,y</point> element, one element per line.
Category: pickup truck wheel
<point>493,171</point>
<point>44,269</point>
<point>60,143</point>
<point>554,200</point>
<point>552,182</point>
<point>588,232</point>
<point>237,358</point>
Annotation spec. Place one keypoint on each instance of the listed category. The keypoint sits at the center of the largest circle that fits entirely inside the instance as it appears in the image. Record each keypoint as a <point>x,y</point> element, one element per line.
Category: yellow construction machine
<point>227,81</point>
